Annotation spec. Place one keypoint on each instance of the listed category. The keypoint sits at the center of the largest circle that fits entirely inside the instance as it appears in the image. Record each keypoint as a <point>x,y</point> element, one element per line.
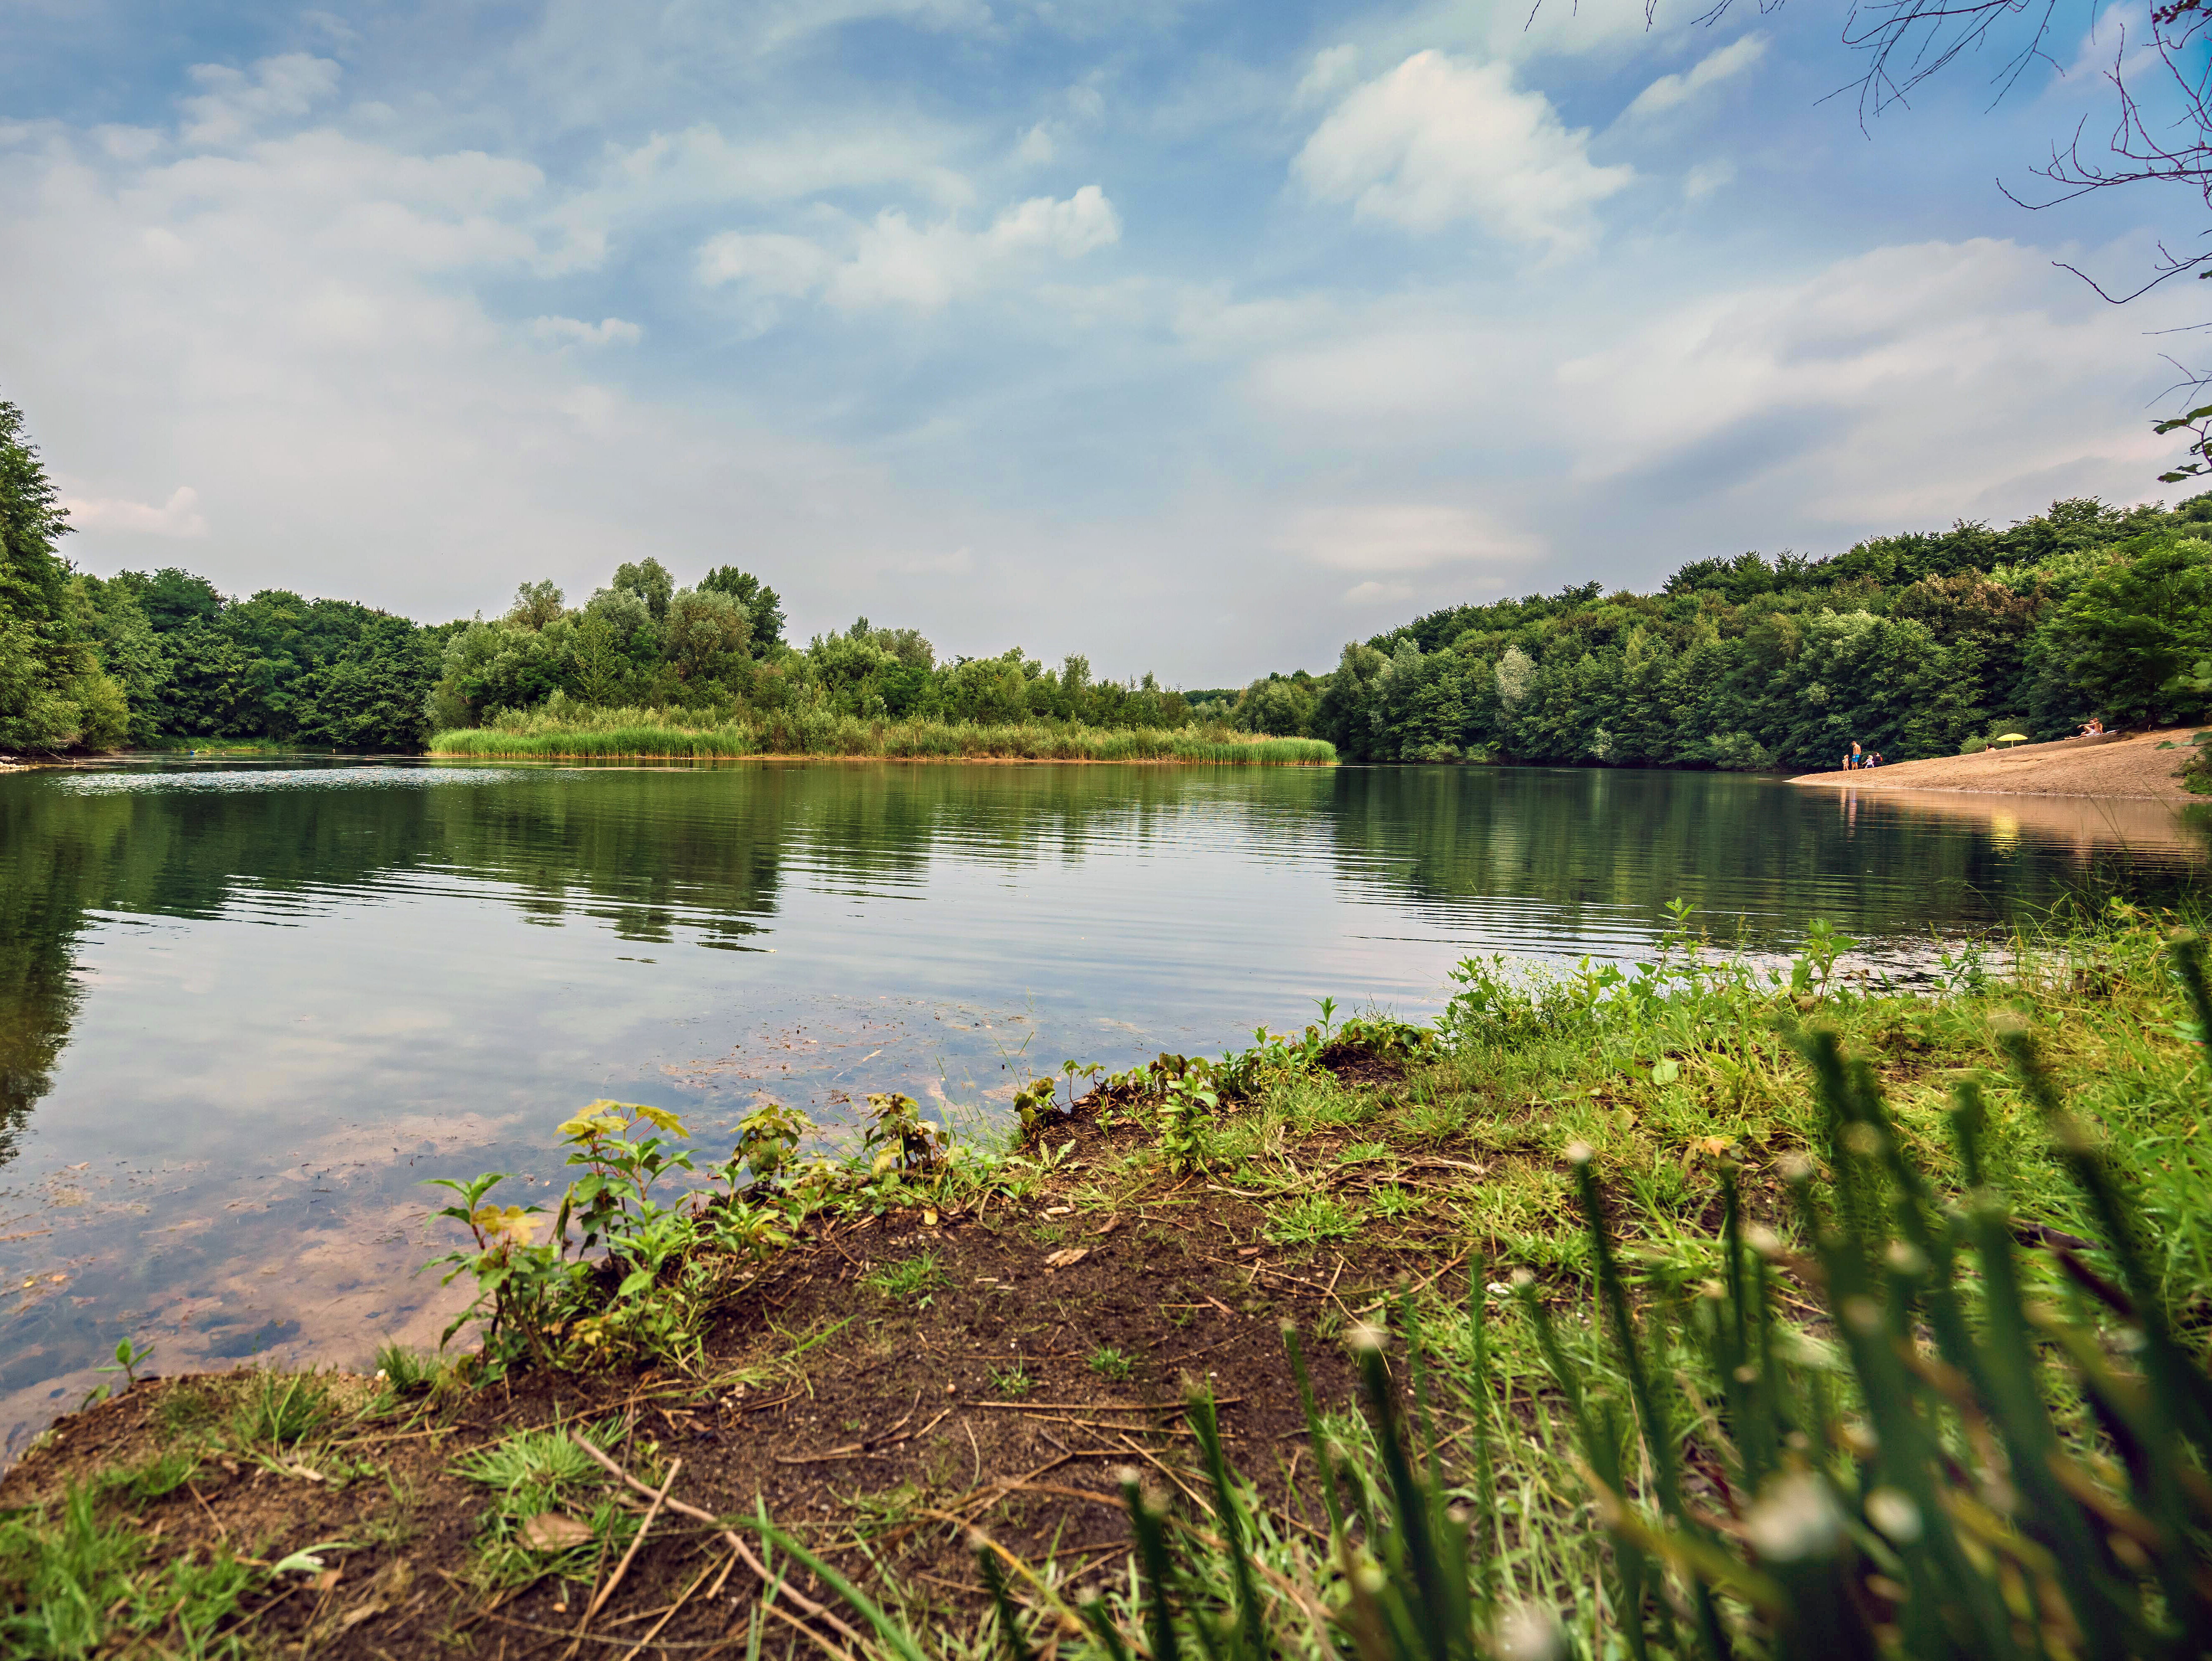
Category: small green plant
<point>1813,969</point>
<point>899,1140</point>
<point>1111,1363</point>
<point>1013,1382</point>
<point>1394,1202</point>
<point>1035,1106</point>
<point>551,1512</point>
<point>909,1279</point>
<point>280,1409</point>
<point>1315,1218</point>
<point>1188,1105</point>
<point>404,1371</point>
<point>767,1139</point>
<point>150,1478</point>
<point>128,1358</point>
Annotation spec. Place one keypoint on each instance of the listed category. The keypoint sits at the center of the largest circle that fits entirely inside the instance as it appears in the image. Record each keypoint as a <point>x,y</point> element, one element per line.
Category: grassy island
<point>666,733</point>
<point>1690,1311</point>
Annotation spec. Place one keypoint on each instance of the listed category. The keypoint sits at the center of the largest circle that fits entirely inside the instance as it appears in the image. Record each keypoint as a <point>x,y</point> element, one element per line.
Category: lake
<point>246,1008</point>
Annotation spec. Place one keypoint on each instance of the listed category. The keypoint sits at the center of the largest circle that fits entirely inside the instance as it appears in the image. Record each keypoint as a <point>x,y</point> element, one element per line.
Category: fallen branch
<point>806,1603</point>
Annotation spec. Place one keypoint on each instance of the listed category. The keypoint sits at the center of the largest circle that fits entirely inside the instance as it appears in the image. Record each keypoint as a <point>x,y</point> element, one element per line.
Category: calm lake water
<point>245,1009</point>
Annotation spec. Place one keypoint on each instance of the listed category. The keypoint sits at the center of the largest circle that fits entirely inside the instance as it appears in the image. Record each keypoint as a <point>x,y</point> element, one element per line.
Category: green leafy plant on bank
<point>546,1302</point>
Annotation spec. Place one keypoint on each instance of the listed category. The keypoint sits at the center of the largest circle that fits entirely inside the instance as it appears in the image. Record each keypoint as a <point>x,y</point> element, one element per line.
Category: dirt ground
<point>2117,765</point>
<point>904,1423</point>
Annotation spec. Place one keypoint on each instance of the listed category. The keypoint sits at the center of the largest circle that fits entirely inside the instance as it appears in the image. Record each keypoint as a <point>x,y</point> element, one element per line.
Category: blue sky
<point>1199,337</point>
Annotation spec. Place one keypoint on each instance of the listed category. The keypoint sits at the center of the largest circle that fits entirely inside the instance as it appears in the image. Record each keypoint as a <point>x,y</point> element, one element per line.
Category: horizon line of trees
<point>157,658</point>
<point>1916,645</point>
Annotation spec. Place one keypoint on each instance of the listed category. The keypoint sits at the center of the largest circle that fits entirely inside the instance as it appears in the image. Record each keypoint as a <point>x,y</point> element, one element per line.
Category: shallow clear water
<point>245,1009</point>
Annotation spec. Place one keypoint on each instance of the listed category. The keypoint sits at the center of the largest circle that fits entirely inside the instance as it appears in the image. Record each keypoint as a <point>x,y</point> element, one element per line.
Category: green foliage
<point>1912,645</point>
<point>1312,1220</point>
<point>54,695</point>
<point>74,1586</point>
<point>129,1357</point>
<point>552,1511</point>
<point>911,1280</point>
<point>1112,1364</point>
<point>761,606</point>
<point>280,1409</point>
<point>566,729</point>
<point>2136,638</point>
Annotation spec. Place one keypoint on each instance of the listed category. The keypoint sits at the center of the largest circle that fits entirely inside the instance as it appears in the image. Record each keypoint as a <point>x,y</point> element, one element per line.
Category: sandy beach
<point>2115,766</point>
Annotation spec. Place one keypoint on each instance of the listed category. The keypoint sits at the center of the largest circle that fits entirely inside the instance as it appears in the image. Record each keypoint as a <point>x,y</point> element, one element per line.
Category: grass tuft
<point>280,1409</point>
<point>907,1279</point>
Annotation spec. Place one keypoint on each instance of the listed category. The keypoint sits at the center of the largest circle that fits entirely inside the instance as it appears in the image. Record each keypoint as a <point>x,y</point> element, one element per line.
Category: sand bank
<point>2117,766</point>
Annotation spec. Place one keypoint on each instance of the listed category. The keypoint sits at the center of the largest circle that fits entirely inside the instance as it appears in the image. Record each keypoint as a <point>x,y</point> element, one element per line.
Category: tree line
<point>1916,645</point>
<point>163,658</point>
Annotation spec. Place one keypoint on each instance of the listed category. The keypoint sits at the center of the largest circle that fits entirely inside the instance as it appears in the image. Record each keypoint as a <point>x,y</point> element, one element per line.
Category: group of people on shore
<point>1858,757</point>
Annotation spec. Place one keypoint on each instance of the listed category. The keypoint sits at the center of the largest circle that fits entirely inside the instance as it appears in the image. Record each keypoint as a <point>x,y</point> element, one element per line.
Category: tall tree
<point>53,693</point>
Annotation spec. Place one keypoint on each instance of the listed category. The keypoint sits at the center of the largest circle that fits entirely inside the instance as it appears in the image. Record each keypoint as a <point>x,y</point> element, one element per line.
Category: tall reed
<point>678,735</point>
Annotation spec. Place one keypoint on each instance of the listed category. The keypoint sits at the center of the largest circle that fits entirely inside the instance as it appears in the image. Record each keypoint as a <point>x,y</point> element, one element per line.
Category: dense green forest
<point>163,658</point>
<point>1914,645</point>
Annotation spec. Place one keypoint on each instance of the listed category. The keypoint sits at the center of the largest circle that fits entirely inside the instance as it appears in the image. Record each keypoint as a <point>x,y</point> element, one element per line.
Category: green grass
<point>150,1478</point>
<point>538,1473</point>
<point>1113,1364</point>
<point>907,1279</point>
<point>185,1408</point>
<point>76,1585</point>
<point>1312,1219</point>
<point>280,1409</point>
<point>680,734</point>
<point>1012,1383</point>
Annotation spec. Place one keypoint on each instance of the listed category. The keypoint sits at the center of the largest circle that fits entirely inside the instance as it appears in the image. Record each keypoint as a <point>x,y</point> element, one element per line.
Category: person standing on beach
<point>1852,759</point>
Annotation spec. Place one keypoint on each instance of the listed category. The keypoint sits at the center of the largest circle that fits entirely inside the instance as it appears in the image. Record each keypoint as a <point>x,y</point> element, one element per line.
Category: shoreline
<point>2109,767</point>
<point>803,757</point>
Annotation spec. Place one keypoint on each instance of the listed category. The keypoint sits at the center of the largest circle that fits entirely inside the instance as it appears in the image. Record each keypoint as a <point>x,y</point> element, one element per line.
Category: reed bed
<point>655,734</point>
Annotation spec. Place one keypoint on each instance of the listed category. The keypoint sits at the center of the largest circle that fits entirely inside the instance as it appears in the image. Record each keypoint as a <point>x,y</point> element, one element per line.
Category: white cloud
<point>1671,92</point>
<point>572,332</point>
<point>2122,38</point>
<point>1404,536</point>
<point>1332,70</point>
<point>1706,179</point>
<point>700,164</point>
<point>1917,375</point>
<point>1372,593</point>
<point>235,106</point>
<point>1436,140</point>
<point>180,516</point>
<point>1036,147</point>
<point>892,261</point>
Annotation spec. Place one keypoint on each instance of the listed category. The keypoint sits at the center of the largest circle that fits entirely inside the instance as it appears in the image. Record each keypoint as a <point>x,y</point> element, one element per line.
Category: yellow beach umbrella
<point>2010,738</point>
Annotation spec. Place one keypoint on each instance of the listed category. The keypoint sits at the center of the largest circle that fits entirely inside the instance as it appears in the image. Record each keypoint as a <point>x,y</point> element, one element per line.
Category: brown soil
<point>896,1432</point>
<point>2117,765</point>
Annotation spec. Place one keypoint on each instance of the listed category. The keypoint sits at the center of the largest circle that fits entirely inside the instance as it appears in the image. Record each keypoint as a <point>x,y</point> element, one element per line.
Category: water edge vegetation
<point>1689,1310</point>
<point>559,730</point>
